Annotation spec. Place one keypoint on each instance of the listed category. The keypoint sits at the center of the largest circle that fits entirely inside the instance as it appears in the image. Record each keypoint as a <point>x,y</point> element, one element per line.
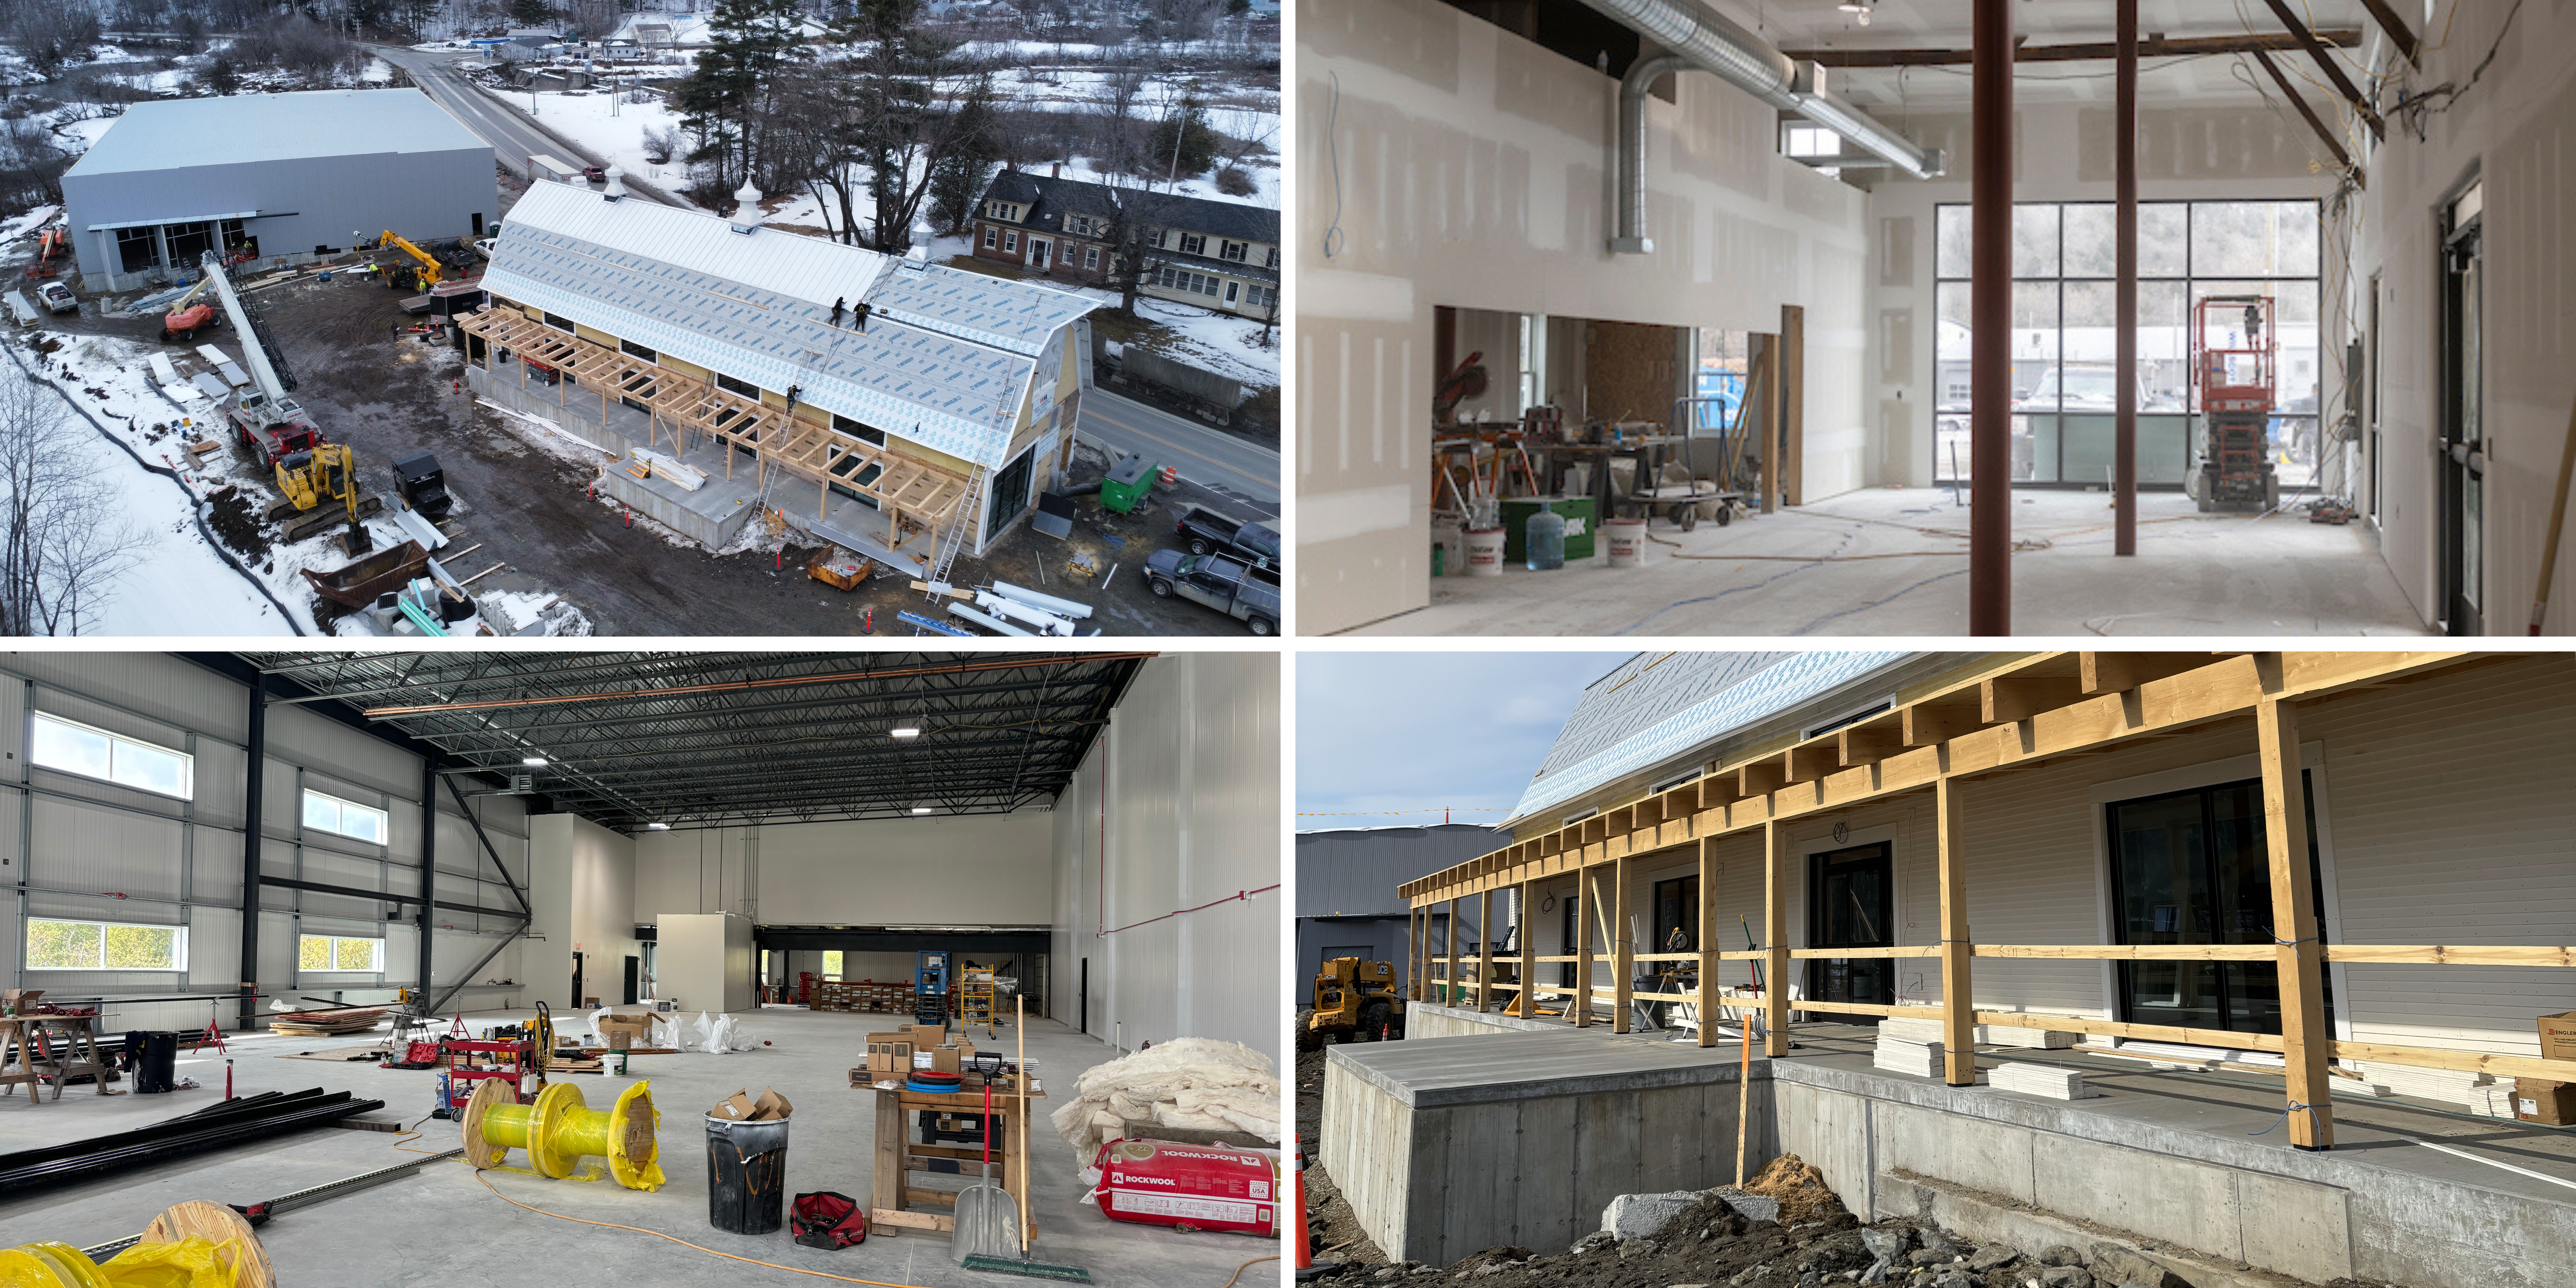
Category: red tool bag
<point>1189,1187</point>
<point>824,1219</point>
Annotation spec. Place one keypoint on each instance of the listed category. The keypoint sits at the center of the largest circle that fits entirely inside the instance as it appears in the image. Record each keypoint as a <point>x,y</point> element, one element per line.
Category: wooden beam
<point>1928,723</point>
<point>1581,1013</point>
<point>1808,762</point>
<point>2142,1032</point>
<point>2451,955</point>
<point>2294,927</point>
<point>2334,71</point>
<point>1761,778</point>
<point>2399,33</point>
<point>1870,743</point>
<point>1528,932</point>
<point>1449,942</point>
<point>1775,940</point>
<point>2090,51</point>
<point>1484,949</point>
<point>2121,672</point>
<point>1958,1007</point>
<point>2343,159</point>
<point>2015,698</point>
<point>2502,1066</point>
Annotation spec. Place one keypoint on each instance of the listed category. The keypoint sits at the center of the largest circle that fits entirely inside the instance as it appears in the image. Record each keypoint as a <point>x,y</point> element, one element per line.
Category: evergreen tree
<point>532,13</point>
<point>222,76</point>
<point>725,101</point>
<point>1181,145</point>
<point>958,176</point>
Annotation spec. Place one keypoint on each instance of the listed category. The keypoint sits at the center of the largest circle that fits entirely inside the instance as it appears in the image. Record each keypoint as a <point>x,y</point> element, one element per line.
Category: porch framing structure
<point>911,493</point>
<point>2029,711</point>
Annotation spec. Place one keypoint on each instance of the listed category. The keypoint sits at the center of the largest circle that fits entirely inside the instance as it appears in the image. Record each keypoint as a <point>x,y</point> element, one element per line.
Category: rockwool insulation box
<point>1195,1187</point>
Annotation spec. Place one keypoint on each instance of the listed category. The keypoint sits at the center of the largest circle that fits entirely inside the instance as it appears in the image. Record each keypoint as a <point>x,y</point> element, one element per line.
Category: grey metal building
<point>272,179</point>
<point>1346,879</point>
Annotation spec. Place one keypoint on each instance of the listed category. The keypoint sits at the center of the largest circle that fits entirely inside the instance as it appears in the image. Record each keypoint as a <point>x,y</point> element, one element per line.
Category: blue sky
<point>1417,731</point>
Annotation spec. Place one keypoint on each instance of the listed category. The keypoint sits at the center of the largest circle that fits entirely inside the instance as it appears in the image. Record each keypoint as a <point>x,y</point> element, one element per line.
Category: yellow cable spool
<point>193,1245</point>
<point>558,1131</point>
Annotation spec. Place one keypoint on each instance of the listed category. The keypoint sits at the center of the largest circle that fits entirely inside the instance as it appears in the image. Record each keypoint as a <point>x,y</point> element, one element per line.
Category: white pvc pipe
<point>1046,622</point>
<point>984,619</point>
<point>1061,607</point>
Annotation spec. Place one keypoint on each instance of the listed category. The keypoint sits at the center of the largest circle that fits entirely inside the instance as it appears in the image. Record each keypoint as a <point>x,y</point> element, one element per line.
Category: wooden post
<point>1581,1010</point>
<point>2297,953</point>
<point>1413,953</point>
<point>1791,439</point>
<point>1770,424</point>
<point>1449,949</point>
<point>1958,1004</point>
<point>1484,950</point>
<point>1707,941</point>
<point>1621,940</point>
<point>1775,936</point>
<point>1529,949</point>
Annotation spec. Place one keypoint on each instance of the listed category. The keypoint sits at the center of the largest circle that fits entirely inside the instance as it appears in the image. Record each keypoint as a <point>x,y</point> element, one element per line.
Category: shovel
<point>988,1222</point>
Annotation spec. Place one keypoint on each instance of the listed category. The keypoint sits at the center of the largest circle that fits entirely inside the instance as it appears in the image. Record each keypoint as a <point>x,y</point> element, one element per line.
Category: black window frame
<point>738,386</point>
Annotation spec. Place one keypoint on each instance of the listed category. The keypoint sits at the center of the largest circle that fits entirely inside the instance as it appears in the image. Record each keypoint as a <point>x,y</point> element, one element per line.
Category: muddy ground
<point>387,392</point>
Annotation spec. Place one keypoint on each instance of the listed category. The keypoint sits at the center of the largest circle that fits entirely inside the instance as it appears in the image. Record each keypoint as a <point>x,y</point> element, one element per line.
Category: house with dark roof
<point>1219,255</point>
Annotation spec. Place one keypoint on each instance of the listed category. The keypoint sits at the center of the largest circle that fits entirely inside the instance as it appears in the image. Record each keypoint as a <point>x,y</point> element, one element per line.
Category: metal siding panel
<point>94,850</point>
<point>161,686</point>
<point>334,752</point>
<point>1354,872</point>
<point>214,947</point>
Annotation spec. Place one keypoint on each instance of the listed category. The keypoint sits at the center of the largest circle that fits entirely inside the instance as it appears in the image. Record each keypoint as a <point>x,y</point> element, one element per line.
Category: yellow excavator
<point>321,484</point>
<point>1355,1001</point>
<point>431,271</point>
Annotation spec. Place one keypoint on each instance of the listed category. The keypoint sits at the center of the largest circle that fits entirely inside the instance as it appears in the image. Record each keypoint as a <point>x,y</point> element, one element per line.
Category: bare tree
<point>62,543</point>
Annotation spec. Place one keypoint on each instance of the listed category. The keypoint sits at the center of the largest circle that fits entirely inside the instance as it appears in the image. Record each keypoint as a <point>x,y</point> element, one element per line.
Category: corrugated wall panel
<point>214,947</point>
<point>93,849</point>
<point>353,757</point>
<point>1149,771</point>
<point>219,784</point>
<point>215,857</point>
<point>1232,949</point>
<point>178,692</point>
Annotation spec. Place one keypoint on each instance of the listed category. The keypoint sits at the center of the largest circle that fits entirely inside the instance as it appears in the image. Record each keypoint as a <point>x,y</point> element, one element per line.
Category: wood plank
<point>2120,672</point>
<point>2502,1066</point>
<point>1810,761</point>
<point>1761,778</point>
<point>2131,952</point>
<point>1775,939</point>
<point>1706,919</point>
<point>1870,743</point>
<point>2142,1032</point>
<point>1864,954</point>
<point>2451,955</point>
<point>1928,723</point>
<point>1581,1015</point>
<point>1866,1008</point>
<point>2015,698</point>
<point>1623,943</point>
<point>2300,965</point>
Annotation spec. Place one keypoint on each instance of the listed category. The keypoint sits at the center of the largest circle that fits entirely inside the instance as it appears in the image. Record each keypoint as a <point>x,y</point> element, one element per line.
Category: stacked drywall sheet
<point>1914,1059</point>
<point>2051,1081</point>
<point>2479,1093</point>
<point>1928,1029</point>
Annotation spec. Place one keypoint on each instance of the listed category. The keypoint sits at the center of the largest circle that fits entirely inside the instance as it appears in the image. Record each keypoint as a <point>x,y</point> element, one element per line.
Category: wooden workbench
<point>70,1049</point>
<point>891,1202</point>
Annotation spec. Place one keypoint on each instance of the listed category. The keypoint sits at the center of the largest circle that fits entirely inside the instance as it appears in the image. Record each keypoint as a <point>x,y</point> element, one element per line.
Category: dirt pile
<point>1800,1189</point>
<point>236,519</point>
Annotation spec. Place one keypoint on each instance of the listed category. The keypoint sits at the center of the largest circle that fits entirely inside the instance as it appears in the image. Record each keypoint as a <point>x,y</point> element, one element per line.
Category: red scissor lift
<point>2237,384</point>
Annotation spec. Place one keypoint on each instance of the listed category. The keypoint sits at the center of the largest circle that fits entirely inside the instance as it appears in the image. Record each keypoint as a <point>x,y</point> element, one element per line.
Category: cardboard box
<point>740,1107</point>
<point>889,1052</point>
<point>620,1040</point>
<point>927,1035</point>
<point>2551,1104</point>
<point>637,1026</point>
<point>19,1001</point>
<point>944,1059</point>
<point>2558,1036</point>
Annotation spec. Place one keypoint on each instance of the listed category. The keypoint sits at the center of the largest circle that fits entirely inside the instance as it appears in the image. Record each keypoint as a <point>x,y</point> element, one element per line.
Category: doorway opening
<point>2191,867</point>
<point>1851,903</point>
<point>2463,462</point>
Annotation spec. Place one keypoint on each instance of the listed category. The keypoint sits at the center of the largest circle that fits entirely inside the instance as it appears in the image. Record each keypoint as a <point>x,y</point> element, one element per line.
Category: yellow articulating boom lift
<point>321,483</point>
<point>1355,1000</point>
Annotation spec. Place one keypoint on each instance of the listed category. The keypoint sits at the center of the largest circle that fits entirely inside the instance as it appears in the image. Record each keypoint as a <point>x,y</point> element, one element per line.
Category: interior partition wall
<point>2065,329</point>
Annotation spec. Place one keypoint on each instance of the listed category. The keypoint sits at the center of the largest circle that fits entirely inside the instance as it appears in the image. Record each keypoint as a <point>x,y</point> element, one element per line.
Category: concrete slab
<point>442,1226</point>
<point>711,515</point>
<point>1892,561</point>
<point>1434,1072</point>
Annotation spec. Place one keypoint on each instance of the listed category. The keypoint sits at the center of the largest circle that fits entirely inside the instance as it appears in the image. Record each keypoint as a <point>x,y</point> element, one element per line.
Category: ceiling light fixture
<point>906,727</point>
<point>533,762</point>
<point>657,827</point>
<point>920,809</point>
<point>1859,9</point>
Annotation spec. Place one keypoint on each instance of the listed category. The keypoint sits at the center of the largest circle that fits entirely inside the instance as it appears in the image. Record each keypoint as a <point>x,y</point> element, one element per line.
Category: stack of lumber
<point>1911,1029</point>
<point>2047,1080</point>
<point>314,1024</point>
<point>1914,1059</point>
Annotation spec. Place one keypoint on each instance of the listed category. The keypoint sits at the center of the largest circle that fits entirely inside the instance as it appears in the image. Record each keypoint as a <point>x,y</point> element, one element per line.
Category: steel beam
<point>1990,314</point>
<point>388,896</point>
<point>467,808</point>
<point>2098,51</point>
<point>429,780</point>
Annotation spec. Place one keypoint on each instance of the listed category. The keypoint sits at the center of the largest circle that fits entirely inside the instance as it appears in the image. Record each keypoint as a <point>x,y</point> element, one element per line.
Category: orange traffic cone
<point>1305,1242</point>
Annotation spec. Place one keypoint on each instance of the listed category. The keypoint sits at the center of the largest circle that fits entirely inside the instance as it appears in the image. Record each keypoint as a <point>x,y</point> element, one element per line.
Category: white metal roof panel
<point>977,306</point>
<point>790,264</point>
<point>1657,706</point>
<point>274,127</point>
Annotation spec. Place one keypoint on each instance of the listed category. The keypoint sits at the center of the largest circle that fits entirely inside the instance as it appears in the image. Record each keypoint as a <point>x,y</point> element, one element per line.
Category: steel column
<point>1990,316</point>
<point>2124,314</point>
<point>254,786</point>
<point>428,871</point>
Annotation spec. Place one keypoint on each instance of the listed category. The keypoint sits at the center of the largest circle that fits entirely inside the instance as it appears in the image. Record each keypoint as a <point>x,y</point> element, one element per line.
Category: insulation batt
<point>1187,1082</point>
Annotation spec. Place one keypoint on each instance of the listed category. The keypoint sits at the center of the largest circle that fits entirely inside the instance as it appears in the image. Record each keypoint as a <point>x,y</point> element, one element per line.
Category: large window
<point>104,945</point>
<point>832,964</point>
<point>346,818</point>
<point>2065,333</point>
<point>76,748</point>
<point>331,952</point>
<point>2190,867</point>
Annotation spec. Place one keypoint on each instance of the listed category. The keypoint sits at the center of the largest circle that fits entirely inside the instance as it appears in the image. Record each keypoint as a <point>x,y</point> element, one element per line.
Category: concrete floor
<point>441,1226</point>
<point>1893,561</point>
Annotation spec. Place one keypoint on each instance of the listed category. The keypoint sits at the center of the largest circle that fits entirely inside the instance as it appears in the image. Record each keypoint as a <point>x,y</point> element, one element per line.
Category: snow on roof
<point>274,127</point>
<point>941,363</point>
<point>1658,706</point>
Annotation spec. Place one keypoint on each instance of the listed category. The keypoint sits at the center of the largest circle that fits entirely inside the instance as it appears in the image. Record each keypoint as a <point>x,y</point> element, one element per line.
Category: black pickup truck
<point>1226,584</point>
<point>1205,531</point>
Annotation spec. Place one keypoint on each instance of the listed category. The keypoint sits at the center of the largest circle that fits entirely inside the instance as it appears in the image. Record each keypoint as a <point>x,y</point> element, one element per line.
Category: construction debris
<point>332,1023</point>
<point>1187,1082</point>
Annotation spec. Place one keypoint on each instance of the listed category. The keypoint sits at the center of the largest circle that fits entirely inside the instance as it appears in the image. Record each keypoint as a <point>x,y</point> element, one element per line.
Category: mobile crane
<point>431,270</point>
<point>319,480</point>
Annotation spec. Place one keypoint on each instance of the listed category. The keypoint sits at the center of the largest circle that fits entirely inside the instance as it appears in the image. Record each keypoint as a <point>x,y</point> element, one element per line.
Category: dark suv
<point>1205,531</point>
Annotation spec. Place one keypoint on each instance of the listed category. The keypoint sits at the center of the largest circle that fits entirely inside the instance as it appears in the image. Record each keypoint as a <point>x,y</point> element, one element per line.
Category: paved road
<point>1206,456</point>
<point>509,131</point>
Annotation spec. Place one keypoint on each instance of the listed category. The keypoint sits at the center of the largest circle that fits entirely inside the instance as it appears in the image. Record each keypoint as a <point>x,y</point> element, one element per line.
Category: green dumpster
<point>1579,513</point>
<point>1127,484</point>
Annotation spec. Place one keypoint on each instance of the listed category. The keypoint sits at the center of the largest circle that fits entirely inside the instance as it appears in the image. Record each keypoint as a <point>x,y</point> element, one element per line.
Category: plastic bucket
<point>1627,542</point>
<point>1484,552</point>
<point>746,1175</point>
<point>156,1057</point>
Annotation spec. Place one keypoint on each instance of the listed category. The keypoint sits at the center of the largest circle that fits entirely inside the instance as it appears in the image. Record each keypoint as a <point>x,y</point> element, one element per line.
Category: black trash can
<point>746,1175</point>
<point>153,1057</point>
